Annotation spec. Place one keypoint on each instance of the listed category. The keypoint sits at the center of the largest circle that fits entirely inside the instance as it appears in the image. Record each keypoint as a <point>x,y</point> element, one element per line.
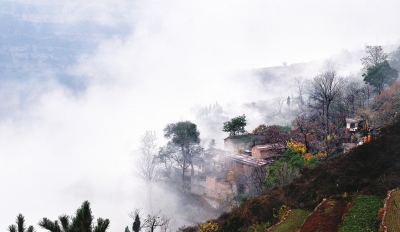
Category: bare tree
<point>154,220</point>
<point>300,88</point>
<point>279,101</point>
<point>146,162</point>
<point>167,224</point>
<point>151,222</point>
<point>375,56</point>
<point>324,89</point>
<point>305,127</point>
<point>351,96</point>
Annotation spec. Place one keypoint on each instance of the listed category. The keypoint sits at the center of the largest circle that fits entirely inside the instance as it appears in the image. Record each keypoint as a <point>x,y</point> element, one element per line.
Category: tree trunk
<point>149,189</point>
<point>192,171</point>
<point>184,165</point>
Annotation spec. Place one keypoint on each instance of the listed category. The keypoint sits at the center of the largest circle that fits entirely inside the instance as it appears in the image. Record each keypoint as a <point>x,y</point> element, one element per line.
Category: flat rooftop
<point>246,159</point>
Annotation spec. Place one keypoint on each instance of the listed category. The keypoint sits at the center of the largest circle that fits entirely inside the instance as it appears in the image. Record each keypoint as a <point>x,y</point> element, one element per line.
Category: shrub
<point>208,227</point>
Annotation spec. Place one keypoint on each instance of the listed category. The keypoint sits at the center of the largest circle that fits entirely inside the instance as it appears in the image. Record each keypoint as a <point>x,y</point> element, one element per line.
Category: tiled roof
<point>246,159</point>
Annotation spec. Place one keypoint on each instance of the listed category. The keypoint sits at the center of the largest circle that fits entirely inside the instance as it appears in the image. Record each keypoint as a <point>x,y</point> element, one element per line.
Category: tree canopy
<point>81,222</point>
<point>20,227</point>
<point>380,76</point>
<point>235,126</point>
<point>375,56</point>
<point>271,134</point>
<point>387,105</point>
<point>182,133</point>
<point>184,145</point>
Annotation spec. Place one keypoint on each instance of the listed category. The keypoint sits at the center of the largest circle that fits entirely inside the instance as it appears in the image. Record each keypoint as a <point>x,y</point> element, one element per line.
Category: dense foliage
<point>363,215</point>
<point>81,222</point>
<point>235,126</point>
<point>380,76</point>
<point>288,166</point>
<point>20,225</point>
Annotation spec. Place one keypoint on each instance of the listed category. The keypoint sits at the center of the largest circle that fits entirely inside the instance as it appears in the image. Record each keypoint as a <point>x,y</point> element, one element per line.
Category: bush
<point>208,227</point>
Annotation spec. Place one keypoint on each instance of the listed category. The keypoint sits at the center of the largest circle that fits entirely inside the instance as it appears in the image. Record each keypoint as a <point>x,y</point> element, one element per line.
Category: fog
<point>62,145</point>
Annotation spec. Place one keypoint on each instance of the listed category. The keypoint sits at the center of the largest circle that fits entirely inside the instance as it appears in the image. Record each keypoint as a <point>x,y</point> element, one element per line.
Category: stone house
<point>267,150</point>
<point>217,181</point>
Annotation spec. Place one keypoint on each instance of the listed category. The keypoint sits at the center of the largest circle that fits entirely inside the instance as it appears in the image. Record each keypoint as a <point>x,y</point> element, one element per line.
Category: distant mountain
<point>37,43</point>
<point>347,63</point>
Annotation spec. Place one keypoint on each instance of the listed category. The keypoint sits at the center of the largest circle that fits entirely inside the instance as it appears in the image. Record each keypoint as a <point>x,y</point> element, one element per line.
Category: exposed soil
<point>326,218</point>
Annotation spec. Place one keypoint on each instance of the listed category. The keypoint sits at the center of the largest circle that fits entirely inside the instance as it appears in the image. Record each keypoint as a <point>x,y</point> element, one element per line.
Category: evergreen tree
<point>82,222</point>
<point>235,126</point>
<point>380,76</point>
<point>136,224</point>
<point>20,227</point>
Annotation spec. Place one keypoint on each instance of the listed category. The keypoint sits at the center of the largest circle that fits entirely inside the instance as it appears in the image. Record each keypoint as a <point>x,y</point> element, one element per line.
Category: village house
<point>352,124</point>
<point>217,182</point>
<point>272,150</point>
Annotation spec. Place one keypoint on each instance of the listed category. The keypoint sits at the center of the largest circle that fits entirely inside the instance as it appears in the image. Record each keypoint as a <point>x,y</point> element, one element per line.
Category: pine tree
<point>82,222</point>
<point>20,227</point>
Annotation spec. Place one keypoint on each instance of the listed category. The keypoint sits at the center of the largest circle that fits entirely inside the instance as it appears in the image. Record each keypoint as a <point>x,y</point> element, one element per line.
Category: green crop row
<point>363,215</point>
<point>393,212</point>
<point>294,220</point>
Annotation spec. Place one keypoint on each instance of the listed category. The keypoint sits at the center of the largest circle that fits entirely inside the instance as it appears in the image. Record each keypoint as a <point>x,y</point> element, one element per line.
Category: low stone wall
<point>383,226</point>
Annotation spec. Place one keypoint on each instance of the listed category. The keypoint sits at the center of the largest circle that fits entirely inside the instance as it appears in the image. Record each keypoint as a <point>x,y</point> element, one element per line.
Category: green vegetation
<point>370,169</point>
<point>235,126</point>
<point>20,227</point>
<point>380,76</point>
<point>293,222</point>
<point>363,215</point>
<point>288,167</point>
<point>82,221</point>
<point>392,214</point>
<point>183,146</point>
<point>259,227</point>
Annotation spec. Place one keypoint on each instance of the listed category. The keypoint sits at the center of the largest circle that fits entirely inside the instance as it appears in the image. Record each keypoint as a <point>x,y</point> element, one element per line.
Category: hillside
<point>370,169</point>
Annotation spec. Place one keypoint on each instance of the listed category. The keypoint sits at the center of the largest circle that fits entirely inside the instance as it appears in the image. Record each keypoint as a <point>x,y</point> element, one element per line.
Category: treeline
<point>83,221</point>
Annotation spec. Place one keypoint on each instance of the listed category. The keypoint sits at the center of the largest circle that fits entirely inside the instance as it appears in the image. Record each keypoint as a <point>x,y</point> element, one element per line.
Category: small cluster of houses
<point>215,181</point>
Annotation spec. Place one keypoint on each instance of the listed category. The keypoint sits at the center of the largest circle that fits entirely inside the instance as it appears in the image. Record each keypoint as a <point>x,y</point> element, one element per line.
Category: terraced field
<point>326,217</point>
<point>393,212</point>
<point>292,222</point>
<point>363,215</point>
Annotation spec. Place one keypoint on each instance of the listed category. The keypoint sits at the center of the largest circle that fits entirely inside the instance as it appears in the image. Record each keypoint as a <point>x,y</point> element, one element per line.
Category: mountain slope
<point>370,169</point>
